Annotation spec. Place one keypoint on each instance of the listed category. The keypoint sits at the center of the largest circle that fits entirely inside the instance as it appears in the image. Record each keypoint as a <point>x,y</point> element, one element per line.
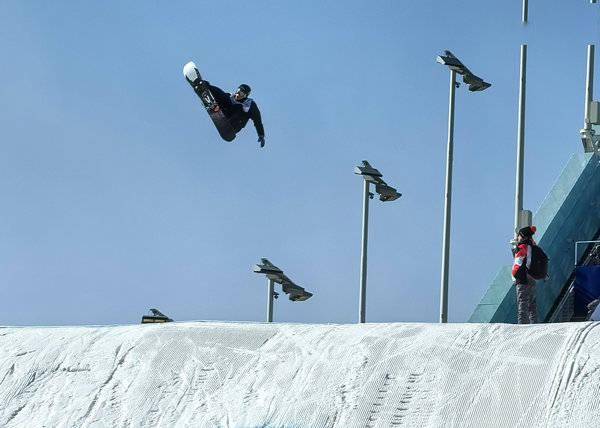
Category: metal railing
<point>593,252</point>
<point>562,312</point>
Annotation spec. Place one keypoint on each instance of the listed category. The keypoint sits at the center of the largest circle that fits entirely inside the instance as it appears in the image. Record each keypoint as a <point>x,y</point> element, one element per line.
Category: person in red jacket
<point>525,284</point>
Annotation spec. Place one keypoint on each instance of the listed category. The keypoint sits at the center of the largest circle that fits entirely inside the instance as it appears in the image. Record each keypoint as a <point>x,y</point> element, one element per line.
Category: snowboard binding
<point>202,90</point>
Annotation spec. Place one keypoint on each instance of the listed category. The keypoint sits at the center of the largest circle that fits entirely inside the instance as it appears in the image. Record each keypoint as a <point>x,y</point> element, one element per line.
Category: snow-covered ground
<point>210,374</point>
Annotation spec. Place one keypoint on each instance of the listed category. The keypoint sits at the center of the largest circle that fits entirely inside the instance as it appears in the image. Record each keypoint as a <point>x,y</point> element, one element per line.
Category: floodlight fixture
<point>452,62</point>
<point>372,175</point>
<point>267,268</point>
<point>475,83</point>
<point>296,293</point>
<point>156,317</point>
<point>276,275</point>
<point>300,297</point>
<point>368,172</point>
<point>386,194</point>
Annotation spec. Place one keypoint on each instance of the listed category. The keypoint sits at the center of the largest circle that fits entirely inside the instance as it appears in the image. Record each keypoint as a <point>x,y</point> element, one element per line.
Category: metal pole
<point>448,203</point>
<point>521,137</point>
<point>525,12</point>
<point>589,87</point>
<point>271,288</point>
<point>363,255</point>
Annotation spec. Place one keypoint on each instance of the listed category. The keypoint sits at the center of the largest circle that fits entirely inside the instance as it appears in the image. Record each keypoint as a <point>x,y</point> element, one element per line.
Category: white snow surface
<point>216,374</point>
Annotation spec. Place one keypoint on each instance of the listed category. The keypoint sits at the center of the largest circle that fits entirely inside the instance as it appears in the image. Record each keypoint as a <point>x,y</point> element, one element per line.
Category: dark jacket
<point>238,112</point>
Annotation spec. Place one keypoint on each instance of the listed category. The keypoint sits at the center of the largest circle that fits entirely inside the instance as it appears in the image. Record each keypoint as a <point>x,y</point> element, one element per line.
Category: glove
<point>261,140</point>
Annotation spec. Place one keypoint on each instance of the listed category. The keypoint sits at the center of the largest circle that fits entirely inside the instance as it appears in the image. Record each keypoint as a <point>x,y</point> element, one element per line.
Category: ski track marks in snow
<point>237,375</point>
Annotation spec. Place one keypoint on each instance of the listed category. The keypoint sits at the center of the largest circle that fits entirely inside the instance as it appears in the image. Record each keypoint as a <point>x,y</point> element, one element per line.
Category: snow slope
<point>209,374</point>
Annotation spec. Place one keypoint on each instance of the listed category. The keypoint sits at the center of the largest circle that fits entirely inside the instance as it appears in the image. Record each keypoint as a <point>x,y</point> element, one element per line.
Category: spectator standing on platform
<point>524,282</point>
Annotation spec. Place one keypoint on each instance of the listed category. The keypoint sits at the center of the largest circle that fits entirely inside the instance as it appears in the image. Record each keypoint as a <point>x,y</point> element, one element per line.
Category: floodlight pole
<point>521,137</point>
<point>589,87</point>
<point>270,298</point>
<point>363,255</point>
<point>525,12</point>
<point>588,136</point>
<point>448,202</point>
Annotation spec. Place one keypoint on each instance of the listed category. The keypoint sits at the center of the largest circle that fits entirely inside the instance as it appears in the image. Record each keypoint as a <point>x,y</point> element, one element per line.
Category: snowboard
<point>192,75</point>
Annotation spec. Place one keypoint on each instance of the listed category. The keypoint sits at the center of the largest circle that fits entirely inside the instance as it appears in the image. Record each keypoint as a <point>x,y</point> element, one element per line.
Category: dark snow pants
<point>222,98</point>
<point>526,303</point>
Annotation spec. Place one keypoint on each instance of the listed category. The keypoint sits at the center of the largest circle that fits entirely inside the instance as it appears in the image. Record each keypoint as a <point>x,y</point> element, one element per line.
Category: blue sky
<point>118,195</point>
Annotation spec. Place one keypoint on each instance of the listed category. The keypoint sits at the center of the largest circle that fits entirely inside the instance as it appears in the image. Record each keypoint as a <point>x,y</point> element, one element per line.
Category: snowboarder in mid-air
<point>230,113</point>
<point>239,108</point>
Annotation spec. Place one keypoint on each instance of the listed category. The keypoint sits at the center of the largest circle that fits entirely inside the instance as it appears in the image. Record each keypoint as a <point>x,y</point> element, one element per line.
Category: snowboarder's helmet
<point>244,88</point>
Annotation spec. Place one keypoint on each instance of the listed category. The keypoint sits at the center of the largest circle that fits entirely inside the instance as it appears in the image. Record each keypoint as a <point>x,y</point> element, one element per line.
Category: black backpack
<point>538,267</point>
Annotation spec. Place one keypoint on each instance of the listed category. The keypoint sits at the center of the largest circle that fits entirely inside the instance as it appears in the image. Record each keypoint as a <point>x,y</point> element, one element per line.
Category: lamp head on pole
<point>475,83</point>
<point>273,273</point>
<point>386,193</point>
